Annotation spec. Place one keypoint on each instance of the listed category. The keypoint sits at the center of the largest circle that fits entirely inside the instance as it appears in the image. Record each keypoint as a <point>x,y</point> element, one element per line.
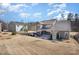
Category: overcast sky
<point>31,12</point>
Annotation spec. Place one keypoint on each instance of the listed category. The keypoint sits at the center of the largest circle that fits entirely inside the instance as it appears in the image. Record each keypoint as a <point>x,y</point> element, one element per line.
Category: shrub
<point>13,33</point>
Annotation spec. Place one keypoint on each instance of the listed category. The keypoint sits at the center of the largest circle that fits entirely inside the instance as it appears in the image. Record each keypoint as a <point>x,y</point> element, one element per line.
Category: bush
<point>13,33</point>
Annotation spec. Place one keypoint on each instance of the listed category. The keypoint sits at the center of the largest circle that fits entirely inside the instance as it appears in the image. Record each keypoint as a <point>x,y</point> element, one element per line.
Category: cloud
<point>54,11</point>
<point>24,15</point>
<point>58,17</point>
<point>65,14</point>
<point>62,6</point>
<point>5,5</point>
<point>56,8</point>
<point>37,15</point>
<point>34,4</point>
<point>15,7</point>
<point>48,10</point>
<point>2,11</point>
<point>50,4</point>
<point>51,12</point>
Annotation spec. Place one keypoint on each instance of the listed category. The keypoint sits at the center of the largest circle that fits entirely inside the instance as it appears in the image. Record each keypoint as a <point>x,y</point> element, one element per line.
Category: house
<point>17,26</point>
<point>62,29</point>
<point>33,26</point>
<point>4,25</point>
<point>59,29</point>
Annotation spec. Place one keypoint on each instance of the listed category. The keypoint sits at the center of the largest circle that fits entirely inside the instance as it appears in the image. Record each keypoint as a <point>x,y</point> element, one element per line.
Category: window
<point>45,27</point>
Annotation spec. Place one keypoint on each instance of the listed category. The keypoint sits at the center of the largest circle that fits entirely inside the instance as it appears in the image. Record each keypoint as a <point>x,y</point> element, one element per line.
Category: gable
<point>62,26</point>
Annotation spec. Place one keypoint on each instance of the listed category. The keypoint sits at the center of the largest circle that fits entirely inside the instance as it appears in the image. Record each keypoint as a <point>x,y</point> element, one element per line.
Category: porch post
<point>54,36</point>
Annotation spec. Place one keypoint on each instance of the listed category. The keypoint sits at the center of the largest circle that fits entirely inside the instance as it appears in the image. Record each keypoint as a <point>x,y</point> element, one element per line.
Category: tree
<point>76,17</point>
<point>62,16</point>
<point>70,17</point>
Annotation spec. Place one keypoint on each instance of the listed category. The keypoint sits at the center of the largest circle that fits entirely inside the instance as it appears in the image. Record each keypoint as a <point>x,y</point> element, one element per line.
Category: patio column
<point>54,36</point>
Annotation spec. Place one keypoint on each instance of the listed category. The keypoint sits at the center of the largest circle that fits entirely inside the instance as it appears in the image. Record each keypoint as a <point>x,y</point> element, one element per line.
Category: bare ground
<point>26,45</point>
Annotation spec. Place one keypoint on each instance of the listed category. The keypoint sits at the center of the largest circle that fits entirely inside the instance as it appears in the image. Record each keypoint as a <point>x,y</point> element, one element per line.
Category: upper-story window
<point>45,26</point>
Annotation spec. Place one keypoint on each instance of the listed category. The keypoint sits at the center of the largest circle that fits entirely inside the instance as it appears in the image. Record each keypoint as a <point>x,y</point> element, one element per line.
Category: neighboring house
<point>4,25</point>
<point>47,24</point>
<point>0,27</point>
<point>59,29</point>
<point>33,26</point>
<point>17,27</point>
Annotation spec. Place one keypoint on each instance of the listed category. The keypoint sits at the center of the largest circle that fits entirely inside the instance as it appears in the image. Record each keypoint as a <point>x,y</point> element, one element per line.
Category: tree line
<point>73,17</point>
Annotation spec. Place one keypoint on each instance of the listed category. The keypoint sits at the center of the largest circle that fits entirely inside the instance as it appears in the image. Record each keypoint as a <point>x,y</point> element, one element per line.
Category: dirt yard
<point>26,45</point>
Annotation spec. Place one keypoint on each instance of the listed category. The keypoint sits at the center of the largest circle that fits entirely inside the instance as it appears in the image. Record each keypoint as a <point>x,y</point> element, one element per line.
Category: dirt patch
<point>3,50</point>
<point>26,45</point>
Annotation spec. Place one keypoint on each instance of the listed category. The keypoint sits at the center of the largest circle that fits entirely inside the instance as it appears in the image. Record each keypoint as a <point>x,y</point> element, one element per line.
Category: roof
<point>52,21</point>
<point>48,21</point>
<point>63,21</point>
<point>34,23</point>
<point>20,23</point>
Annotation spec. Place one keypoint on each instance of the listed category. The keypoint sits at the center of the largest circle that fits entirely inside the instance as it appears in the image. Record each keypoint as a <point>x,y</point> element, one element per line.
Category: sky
<point>33,12</point>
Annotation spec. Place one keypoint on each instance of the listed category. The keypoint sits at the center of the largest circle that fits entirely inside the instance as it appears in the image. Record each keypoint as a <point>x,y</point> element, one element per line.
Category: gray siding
<point>62,26</point>
<point>17,27</point>
<point>12,27</point>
